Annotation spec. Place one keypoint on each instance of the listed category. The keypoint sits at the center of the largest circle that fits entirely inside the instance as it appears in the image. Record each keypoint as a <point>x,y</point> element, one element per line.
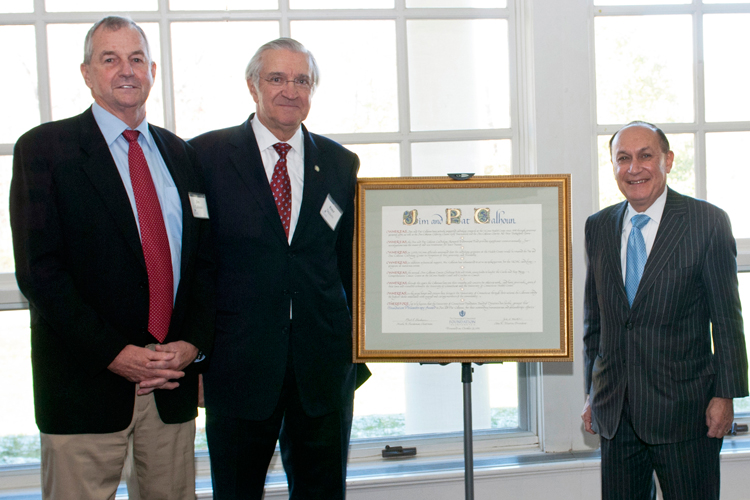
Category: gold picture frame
<point>475,270</point>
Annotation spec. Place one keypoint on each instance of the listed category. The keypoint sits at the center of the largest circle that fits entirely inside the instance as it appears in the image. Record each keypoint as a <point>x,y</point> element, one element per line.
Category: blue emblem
<point>462,313</point>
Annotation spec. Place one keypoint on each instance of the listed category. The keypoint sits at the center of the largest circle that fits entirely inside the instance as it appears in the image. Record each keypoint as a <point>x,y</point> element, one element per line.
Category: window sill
<point>410,472</point>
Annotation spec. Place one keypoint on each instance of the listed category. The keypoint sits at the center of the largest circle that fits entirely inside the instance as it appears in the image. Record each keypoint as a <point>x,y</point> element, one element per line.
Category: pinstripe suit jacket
<point>659,350</point>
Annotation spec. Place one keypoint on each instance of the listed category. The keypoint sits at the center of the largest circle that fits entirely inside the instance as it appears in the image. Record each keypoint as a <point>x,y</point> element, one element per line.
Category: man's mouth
<point>641,181</point>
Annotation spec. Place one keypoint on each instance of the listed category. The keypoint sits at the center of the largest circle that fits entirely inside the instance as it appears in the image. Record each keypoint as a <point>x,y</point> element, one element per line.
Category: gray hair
<point>111,23</point>
<point>254,67</point>
<point>663,141</point>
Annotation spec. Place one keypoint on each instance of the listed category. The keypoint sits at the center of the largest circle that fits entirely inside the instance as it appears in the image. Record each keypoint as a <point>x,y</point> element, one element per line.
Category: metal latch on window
<point>399,452</point>
<point>736,429</point>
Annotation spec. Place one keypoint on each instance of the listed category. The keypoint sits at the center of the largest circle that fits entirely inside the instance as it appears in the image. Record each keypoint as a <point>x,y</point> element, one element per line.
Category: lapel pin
<point>317,168</point>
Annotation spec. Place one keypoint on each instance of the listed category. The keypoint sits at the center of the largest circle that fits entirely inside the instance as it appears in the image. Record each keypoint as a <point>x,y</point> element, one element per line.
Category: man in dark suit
<point>282,206</point>
<point>111,248</point>
<point>664,342</point>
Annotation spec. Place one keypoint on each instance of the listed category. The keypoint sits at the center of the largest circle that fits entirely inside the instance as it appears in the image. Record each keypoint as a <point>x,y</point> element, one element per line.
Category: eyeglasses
<point>303,83</point>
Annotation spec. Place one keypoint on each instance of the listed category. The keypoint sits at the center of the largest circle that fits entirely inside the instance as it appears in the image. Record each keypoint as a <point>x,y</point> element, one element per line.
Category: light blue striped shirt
<point>169,199</point>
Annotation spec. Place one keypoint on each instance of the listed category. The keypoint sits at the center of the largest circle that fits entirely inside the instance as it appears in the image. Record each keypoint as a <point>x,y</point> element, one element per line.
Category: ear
<point>85,73</point>
<point>153,70</point>
<point>668,161</point>
<point>253,90</point>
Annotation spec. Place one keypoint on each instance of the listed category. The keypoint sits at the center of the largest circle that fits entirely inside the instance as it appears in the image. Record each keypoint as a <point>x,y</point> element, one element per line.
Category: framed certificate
<point>476,270</point>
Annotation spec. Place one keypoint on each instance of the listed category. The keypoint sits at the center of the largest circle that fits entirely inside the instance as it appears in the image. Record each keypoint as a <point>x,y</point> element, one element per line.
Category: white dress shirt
<point>648,231</point>
<point>295,164</point>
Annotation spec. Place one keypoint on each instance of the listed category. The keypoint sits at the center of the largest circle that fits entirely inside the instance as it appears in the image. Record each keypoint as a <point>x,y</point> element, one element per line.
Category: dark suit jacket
<point>80,264</point>
<point>258,272</point>
<point>660,350</point>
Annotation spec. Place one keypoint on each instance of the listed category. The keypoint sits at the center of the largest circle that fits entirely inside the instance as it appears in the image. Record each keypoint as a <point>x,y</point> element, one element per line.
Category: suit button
<point>290,255</point>
<point>629,325</point>
<point>285,331</point>
<point>143,284</point>
<point>286,293</point>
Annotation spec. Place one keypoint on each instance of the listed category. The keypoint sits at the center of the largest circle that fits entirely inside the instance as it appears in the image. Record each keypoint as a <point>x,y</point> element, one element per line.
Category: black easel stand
<point>466,378</point>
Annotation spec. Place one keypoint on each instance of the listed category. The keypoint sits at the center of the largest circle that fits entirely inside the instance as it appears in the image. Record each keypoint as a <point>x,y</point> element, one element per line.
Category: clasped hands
<point>157,369</point>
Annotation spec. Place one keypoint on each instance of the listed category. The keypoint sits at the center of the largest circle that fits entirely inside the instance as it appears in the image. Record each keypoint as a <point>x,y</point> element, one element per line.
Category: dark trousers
<point>313,450</point>
<point>688,470</point>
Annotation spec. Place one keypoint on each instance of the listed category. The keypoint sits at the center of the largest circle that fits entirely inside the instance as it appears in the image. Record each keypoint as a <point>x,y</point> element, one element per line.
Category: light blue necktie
<point>636,256</point>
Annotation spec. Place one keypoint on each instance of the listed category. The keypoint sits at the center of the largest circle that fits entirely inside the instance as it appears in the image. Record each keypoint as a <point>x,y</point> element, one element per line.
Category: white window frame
<point>522,134</point>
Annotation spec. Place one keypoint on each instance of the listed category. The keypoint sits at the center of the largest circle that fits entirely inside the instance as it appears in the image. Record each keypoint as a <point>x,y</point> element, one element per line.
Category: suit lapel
<point>102,173</point>
<point>672,228</point>
<point>313,192</point>
<point>249,165</point>
<point>613,247</point>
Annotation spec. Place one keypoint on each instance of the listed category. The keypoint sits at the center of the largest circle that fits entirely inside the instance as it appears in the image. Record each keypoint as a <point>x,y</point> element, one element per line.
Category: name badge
<point>198,204</point>
<point>331,212</point>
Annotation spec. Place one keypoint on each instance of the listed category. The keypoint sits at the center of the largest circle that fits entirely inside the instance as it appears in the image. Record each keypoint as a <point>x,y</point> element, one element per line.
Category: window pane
<point>681,178</point>
<point>727,177</point>
<point>416,4</point>
<point>458,74</point>
<point>209,72</point>
<point>742,405</point>
<point>100,5</point>
<point>225,5</point>
<point>640,2</point>
<point>726,75</point>
<point>341,4</point>
<point>23,107</point>
<point>69,93</point>
<point>644,69</point>
<point>6,244</point>
<point>377,160</point>
<point>13,6</point>
<point>479,157</point>
<point>358,78</point>
<point>408,399</point>
<point>19,436</point>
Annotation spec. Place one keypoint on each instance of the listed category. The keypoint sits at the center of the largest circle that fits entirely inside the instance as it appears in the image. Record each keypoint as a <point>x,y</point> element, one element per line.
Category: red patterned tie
<point>153,239</point>
<point>281,187</point>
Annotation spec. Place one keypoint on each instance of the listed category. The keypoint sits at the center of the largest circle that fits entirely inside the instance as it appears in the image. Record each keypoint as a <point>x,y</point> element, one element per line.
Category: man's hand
<point>184,354</point>
<point>586,416</point>
<point>150,369</point>
<point>719,416</point>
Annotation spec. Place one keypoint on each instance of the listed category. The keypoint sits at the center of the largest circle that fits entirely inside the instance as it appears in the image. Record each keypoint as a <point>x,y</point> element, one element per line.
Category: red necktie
<point>281,187</point>
<point>153,239</point>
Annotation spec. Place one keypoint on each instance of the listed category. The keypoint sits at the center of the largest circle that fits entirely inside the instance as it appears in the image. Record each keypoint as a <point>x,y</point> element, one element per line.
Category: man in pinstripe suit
<point>665,351</point>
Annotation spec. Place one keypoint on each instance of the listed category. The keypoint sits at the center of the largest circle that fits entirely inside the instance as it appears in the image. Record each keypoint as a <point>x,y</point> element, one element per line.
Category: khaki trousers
<point>89,466</point>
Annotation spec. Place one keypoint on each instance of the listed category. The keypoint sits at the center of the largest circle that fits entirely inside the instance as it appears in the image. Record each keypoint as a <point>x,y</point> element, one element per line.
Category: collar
<point>112,127</point>
<point>266,139</point>
<point>655,211</point>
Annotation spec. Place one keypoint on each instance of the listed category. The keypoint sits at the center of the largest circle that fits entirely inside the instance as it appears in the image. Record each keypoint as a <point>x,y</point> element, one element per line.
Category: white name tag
<point>331,212</point>
<point>198,204</point>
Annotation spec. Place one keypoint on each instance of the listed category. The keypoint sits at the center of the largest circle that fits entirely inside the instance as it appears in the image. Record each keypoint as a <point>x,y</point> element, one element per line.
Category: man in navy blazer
<point>664,355</point>
<point>282,364</point>
<point>101,378</point>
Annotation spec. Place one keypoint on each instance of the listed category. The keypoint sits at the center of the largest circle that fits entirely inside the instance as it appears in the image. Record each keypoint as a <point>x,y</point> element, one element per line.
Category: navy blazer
<point>682,342</point>
<point>259,272</point>
<point>80,264</point>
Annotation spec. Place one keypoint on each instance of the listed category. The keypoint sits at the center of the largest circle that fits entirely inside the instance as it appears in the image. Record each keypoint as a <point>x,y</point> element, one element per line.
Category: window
<point>675,66</point>
<point>391,74</point>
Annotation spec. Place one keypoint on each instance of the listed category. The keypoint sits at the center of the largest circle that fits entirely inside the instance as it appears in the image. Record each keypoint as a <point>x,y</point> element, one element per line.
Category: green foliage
<point>20,449</point>
<point>378,425</point>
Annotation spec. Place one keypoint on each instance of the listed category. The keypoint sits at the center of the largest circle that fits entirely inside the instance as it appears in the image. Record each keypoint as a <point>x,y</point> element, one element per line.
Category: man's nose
<point>126,69</point>
<point>289,89</point>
